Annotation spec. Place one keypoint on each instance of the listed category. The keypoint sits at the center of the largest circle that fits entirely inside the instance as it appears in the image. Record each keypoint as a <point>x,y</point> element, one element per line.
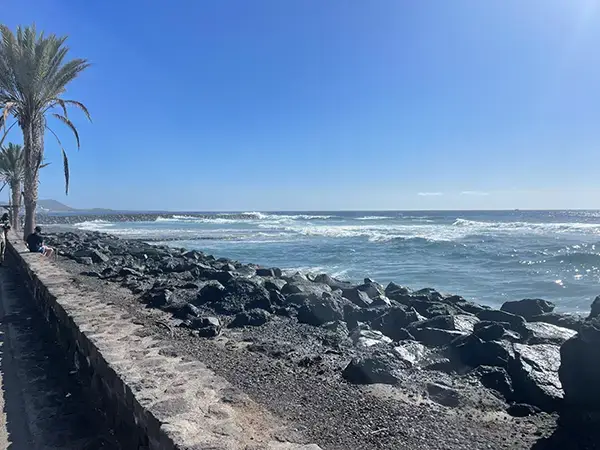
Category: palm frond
<point>68,123</point>
<point>6,131</point>
<point>61,103</point>
<point>81,106</point>
<point>66,170</point>
<point>65,160</point>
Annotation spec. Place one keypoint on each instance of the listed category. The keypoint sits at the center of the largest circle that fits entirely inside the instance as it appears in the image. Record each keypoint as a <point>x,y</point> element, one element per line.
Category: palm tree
<point>33,79</point>
<point>12,171</point>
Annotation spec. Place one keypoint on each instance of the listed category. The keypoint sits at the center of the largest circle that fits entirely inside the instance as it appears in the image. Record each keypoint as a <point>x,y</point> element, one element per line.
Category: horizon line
<point>158,211</point>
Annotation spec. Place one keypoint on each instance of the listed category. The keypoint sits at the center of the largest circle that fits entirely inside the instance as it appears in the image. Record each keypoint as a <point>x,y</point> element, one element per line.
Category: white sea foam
<point>285,227</point>
<point>265,216</point>
<point>192,219</point>
<point>94,225</point>
<point>528,227</point>
<point>245,217</point>
<point>374,218</point>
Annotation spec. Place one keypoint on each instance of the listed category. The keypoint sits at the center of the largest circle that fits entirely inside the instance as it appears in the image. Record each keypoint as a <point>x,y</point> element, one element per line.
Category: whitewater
<point>487,256</point>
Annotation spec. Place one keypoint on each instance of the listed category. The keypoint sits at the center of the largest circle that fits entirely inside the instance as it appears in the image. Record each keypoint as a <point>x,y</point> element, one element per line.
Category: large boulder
<point>458,322</point>
<point>358,297</point>
<point>244,271</point>
<point>435,337</point>
<point>496,379</point>
<point>395,290</point>
<point>96,256</point>
<point>474,352</point>
<point>205,326</point>
<point>333,283</point>
<point>428,294</point>
<point>222,276</point>
<point>242,294</point>
<point>381,301</point>
<point>318,310</point>
<point>168,300</point>
<point>580,367</point>
<point>463,304</point>
<point>298,299</point>
<point>274,284</point>
<point>595,308</point>
<point>272,272</point>
<point>545,333</point>
<point>371,288</point>
<point>211,292</point>
<point>535,377</point>
<point>489,331</point>
<point>177,265</point>
<point>364,337</point>
<point>394,320</point>
<point>528,307</point>
<point>432,308</point>
<point>128,271</point>
<point>304,287</point>
<point>417,355</point>
<point>494,315</point>
<point>254,317</point>
<point>571,321</point>
<point>337,333</point>
<point>375,365</point>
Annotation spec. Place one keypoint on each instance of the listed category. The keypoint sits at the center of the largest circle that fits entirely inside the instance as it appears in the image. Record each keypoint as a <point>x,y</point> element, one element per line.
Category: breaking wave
<point>95,225</point>
<point>245,217</point>
<point>528,227</point>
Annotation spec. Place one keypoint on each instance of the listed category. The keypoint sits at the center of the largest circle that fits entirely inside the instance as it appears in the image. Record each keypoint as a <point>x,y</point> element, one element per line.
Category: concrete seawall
<point>153,400</point>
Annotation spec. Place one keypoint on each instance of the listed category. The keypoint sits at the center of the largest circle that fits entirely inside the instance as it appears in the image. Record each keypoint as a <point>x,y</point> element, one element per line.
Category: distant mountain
<point>53,206</point>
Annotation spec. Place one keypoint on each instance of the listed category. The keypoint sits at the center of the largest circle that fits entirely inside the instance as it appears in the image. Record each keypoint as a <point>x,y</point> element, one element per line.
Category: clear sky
<point>337,104</point>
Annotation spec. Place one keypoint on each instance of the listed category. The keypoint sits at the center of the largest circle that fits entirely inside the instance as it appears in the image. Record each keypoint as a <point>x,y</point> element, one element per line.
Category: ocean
<point>486,256</point>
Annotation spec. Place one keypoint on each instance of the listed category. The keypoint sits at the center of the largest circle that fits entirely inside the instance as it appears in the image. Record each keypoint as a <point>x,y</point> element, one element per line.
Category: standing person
<point>35,243</point>
<point>4,227</point>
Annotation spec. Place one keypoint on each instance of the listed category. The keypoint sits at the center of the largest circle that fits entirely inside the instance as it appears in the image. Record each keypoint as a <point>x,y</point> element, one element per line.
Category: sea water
<point>489,257</point>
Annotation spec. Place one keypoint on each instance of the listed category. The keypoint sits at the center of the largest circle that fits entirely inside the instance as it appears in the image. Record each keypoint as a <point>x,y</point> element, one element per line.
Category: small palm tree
<point>33,79</point>
<point>12,171</point>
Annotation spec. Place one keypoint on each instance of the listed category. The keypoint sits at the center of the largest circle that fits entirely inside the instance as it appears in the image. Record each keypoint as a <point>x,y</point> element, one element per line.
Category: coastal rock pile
<point>384,332</point>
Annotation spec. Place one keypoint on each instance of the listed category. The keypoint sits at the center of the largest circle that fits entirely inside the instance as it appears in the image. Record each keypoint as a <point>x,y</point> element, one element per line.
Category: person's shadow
<point>575,430</point>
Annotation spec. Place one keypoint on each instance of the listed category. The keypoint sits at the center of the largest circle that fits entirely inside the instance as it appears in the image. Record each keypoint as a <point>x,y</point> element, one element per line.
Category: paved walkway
<point>41,402</point>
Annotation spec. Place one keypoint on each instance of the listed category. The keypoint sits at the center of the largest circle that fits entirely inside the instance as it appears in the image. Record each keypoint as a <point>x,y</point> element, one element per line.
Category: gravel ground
<point>311,396</point>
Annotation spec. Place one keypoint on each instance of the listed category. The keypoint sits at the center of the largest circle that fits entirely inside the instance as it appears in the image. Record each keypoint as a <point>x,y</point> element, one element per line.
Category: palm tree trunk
<point>15,190</point>
<point>33,140</point>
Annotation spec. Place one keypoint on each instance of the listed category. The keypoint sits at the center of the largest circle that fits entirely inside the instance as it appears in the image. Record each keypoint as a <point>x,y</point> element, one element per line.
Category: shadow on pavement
<point>43,402</point>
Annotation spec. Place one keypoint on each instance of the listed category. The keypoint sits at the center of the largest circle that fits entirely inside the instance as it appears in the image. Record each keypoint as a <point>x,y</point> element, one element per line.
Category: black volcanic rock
<point>580,367</point>
<point>375,365</point>
<point>528,307</point>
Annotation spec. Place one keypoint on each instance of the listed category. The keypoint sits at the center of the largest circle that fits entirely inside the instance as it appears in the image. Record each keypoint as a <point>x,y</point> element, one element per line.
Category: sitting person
<point>35,243</point>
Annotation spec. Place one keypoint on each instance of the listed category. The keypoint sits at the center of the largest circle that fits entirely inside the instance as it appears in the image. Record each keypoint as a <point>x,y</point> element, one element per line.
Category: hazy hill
<point>54,206</point>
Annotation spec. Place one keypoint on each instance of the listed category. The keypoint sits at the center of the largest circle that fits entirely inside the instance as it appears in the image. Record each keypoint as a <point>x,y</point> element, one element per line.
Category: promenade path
<point>42,405</point>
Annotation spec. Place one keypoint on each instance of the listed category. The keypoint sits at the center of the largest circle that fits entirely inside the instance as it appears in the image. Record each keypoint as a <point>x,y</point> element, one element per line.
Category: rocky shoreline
<point>74,218</point>
<point>429,348</point>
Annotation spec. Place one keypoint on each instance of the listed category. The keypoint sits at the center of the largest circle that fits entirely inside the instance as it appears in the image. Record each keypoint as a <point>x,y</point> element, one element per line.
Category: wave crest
<point>528,227</point>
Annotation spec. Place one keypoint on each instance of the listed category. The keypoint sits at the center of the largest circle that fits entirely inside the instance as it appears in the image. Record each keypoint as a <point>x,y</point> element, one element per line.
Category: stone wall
<point>152,400</point>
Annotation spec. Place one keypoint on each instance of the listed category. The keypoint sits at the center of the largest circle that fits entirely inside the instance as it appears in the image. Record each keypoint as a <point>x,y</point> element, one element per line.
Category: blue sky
<point>307,104</point>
